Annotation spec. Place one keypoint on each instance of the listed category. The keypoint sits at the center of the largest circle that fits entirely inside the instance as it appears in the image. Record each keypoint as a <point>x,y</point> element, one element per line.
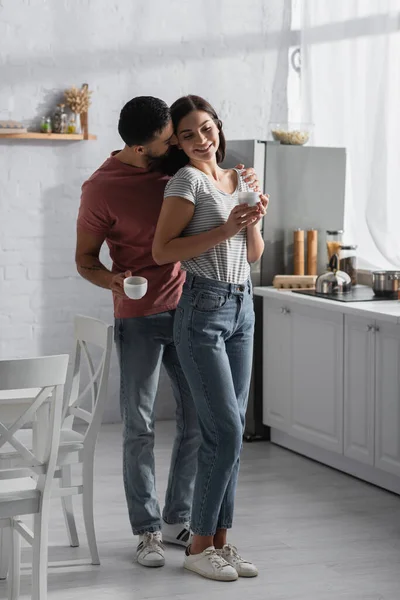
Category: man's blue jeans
<point>143,343</point>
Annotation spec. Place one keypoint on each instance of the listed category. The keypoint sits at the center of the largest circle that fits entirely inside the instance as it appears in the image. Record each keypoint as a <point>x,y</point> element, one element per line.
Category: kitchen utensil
<point>135,287</point>
<point>348,261</point>
<point>250,198</point>
<point>386,283</point>
<point>312,251</point>
<point>334,281</point>
<point>293,134</point>
<point>298,252</point>
<point>290,282</point>
<point>333,242</point>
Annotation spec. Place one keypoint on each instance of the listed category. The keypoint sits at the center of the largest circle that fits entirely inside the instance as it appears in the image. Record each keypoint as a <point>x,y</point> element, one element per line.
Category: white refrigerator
<point>306,185</point>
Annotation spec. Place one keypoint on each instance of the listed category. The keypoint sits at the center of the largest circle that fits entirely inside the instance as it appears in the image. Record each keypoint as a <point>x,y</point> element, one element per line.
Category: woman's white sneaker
<point>150,551</point>
<point>211,565</point>
<point>178,534</point>
<point>244,568</point>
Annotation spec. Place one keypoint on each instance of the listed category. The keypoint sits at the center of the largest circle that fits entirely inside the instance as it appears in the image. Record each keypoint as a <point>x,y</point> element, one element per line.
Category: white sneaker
<point>150,551</point>
<point>243,567</point>
<point>177,534</point>
<point>211,565</point>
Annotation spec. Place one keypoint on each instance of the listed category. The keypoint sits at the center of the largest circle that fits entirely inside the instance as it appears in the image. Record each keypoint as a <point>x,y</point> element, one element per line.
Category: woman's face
<point>198,136</point>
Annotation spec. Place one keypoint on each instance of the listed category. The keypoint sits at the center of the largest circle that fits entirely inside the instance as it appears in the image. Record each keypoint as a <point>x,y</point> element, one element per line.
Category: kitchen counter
<point>385,310</point>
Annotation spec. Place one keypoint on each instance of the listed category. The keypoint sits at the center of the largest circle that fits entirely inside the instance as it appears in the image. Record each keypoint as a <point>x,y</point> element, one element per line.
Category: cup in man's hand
<point>135,287</point>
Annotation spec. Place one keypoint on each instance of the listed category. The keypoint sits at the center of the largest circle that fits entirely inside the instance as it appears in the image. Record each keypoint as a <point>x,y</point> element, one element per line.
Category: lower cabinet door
<point>387,398</point>
<point>359,388</point>
<point>317,376</point>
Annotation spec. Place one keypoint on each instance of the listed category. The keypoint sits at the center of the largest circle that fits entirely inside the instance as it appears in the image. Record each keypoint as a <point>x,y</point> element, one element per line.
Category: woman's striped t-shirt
<point>227,261</point>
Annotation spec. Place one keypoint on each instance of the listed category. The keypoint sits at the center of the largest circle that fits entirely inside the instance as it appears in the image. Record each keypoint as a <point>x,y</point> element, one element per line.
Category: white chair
<point>26,474</point>
<point>87,405</point>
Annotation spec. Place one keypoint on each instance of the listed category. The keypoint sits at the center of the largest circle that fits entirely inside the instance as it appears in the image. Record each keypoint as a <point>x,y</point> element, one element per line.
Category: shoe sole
<point>151,564</point>
<point>207,576</point>
<point>249,575</point>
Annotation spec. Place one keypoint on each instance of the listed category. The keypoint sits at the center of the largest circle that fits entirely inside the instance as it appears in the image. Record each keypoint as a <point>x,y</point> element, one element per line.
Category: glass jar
<point>348,261</point>
<point>60,120</point>
<point>333,242</point>
<point>45,125</point>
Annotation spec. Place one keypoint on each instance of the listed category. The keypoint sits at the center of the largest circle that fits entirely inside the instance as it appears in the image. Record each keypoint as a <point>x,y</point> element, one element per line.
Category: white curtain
<point>350,90</point>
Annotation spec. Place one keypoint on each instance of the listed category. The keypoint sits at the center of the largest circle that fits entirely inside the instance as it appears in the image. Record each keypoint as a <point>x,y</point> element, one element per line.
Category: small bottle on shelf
<point>71,125</point>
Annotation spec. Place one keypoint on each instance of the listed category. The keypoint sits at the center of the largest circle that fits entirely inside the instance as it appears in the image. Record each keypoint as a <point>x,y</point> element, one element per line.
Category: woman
<point>202,225</point>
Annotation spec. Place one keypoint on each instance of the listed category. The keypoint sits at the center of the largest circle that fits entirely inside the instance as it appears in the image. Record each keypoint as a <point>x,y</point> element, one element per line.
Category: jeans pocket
<point>178,320</point>
<point>207,301</point>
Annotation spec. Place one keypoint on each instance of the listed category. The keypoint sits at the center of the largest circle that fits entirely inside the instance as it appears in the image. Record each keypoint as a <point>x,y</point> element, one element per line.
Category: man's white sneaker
<point>176,534</point>
<point>150,551</point>
<point>243,567</point>
<point>211,565</point>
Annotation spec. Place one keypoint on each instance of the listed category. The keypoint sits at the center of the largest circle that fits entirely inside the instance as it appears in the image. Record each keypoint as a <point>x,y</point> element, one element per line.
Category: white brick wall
<point>226,50</point>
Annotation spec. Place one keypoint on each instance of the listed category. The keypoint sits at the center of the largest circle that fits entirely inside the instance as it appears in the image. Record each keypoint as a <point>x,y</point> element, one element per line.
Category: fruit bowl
<point>291,134</point>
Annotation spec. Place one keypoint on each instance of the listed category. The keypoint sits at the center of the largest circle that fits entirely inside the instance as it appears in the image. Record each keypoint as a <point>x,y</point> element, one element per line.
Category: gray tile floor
<point>315,534</point>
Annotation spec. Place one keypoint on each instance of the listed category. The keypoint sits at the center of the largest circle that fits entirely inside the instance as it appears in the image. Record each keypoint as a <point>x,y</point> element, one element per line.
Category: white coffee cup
<point>135,287</point>
<point>250,198</point>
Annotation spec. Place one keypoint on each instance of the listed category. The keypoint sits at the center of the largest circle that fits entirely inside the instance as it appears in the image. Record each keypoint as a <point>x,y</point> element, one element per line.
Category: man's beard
<point>161,164</point>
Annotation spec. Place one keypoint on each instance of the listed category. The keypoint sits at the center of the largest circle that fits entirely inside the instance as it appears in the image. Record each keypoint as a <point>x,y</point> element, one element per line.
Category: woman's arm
<point>176,213</point>
<point>255,243</point>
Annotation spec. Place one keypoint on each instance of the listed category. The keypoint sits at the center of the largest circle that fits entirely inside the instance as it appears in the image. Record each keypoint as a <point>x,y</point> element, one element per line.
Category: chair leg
<point>5,545</point>
<point>40,554</point>
<point>68,509</point>
<point>87,498</point>
<point>15,566</point>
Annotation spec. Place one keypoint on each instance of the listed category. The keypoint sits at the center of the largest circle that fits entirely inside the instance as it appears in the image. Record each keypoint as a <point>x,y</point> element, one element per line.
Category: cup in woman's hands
<point>250,198</point>
<point>135,287</point>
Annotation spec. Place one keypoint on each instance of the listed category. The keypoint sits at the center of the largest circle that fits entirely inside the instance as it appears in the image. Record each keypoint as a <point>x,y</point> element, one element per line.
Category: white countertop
<point>385,310</point>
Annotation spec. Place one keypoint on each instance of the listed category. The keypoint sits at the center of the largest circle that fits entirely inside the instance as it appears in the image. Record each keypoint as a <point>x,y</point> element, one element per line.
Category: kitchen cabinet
<point>317,376</point>
<point>387,397</point>
<point>303,393</point>
<point>332,382</point>
<point>359,387</point>
<point>277,365</point>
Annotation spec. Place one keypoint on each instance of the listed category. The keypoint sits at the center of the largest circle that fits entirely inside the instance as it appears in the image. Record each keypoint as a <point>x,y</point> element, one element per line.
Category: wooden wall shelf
<point>65,137</point>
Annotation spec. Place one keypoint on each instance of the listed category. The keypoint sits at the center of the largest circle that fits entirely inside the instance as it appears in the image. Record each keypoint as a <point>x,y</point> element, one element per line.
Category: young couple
<point>199,326</point>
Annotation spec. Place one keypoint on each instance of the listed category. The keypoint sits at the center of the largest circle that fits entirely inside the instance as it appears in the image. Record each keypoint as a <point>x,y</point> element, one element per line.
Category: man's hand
<point>117,284</point>
<point>250,177</point>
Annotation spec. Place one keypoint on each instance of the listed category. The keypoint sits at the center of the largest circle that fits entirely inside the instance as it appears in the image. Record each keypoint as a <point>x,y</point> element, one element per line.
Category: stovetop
<point>360,293</point>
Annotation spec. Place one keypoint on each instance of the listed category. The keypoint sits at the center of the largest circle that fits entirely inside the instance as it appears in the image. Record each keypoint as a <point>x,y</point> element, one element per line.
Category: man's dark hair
<point>141,119</point>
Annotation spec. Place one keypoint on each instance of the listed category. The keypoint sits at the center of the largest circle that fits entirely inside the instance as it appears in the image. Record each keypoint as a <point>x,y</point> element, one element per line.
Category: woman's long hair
<point>176,158</point>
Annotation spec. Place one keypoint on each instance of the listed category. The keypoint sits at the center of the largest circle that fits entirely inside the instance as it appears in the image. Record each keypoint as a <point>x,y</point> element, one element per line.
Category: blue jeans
<point>213,332</point>
<point>142,344</point>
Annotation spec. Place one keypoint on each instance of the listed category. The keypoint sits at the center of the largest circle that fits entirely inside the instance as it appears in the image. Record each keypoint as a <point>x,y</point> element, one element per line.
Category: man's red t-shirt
<point>123,203</point>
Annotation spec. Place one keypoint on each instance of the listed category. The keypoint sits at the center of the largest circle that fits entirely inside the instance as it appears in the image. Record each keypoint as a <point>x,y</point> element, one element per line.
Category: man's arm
<point>88,263</point>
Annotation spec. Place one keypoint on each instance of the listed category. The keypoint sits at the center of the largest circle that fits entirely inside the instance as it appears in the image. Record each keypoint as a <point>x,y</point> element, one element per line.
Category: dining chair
<point>26,473</point>
<point>84,402</point>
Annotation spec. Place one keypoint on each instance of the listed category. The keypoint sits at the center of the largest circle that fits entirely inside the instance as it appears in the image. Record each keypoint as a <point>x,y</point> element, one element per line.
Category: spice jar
<point>348,261</point>
<point>60,120</point>
<point>45,125</point>
<point>333,242</point>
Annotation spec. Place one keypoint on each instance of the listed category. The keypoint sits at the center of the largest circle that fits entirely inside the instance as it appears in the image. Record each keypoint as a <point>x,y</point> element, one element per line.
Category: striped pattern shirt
<point>228,260</point>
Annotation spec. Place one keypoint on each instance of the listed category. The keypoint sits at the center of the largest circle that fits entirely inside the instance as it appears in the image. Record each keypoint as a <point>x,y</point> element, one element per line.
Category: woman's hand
<point>250,177</point>
<point>262,208</point>
<point>241,216</point>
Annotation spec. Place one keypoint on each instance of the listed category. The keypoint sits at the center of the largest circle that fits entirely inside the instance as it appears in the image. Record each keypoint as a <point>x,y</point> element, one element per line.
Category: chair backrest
<point>45,376</point>
<point>88,404</point>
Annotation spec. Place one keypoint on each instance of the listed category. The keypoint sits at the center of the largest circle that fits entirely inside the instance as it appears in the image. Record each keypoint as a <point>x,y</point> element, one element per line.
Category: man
<point>120,204</point>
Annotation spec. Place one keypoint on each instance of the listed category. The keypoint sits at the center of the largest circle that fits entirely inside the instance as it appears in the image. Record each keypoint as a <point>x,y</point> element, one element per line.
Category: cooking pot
<point>334,281</point>
<point>386,283</point>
